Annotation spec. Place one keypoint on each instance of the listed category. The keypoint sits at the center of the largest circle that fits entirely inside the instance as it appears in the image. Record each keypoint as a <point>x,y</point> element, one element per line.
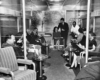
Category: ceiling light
<point>56,7</point>
<point>0,2</point>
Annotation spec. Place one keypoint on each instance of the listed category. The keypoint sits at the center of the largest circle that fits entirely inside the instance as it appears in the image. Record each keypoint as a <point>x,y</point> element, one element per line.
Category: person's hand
<point>63,30</point>
<point>19,41</point>
<point>59,30</point>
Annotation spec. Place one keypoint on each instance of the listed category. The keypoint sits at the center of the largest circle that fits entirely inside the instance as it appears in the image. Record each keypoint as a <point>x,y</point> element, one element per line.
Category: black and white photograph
<point>49,39</point>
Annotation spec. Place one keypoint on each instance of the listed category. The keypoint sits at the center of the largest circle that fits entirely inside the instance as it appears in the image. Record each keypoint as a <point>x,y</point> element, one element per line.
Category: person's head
<point>10,39</point>
<point>92,36</point>
<point>80,30</point>
<point>62,20</point>
<point>74,23</point>
<point>28,31</point>
<point>55,29</point>
<point>84,32</point>
<point>35,30</point>
<point>41,35</point>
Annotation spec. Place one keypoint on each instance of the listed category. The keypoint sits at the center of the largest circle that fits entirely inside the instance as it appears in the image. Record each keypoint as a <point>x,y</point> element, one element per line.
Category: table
<point>41,76</point>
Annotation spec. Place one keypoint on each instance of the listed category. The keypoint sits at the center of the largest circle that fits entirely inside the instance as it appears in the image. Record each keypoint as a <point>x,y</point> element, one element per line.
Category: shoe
<point>68,65</point>
<point>71,68</point>
<point>49,57</point>
<point>67,57</point>
<point>65,54</point>
<point>67,60</point>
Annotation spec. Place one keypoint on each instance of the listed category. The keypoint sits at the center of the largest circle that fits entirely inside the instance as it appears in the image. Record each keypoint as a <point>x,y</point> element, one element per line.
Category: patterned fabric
<point>23,75</point>
<point>26,75</point>
<point>8,58</point>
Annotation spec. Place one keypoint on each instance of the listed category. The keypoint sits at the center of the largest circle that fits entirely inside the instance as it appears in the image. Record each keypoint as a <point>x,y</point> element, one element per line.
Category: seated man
<point>10,41</point>
<point>33,38</point>
<point>74,30</point>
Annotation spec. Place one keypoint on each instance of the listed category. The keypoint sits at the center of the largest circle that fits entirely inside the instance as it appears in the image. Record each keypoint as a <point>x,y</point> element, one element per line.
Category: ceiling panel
<point>44,4</point>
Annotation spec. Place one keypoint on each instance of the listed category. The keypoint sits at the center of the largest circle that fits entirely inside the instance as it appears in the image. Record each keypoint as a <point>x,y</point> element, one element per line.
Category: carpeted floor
<point>57,70</point>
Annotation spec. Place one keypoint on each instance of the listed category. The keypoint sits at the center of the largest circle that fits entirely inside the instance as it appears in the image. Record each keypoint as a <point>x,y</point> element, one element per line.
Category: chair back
<point>8,58</point>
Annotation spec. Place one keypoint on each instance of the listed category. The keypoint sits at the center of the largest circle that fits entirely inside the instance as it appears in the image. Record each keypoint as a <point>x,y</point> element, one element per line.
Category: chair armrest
<point>5,70</point>
<point>90,63</point>
<point>27,62</point>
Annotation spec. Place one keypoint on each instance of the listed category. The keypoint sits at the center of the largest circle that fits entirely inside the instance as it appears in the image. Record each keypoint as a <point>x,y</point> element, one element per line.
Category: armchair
<point>8,65</point>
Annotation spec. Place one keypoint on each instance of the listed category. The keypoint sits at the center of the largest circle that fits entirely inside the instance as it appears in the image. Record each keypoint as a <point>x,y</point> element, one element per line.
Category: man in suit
<point>63,26</point>
<point>33,37</point>
<point>10,42</point>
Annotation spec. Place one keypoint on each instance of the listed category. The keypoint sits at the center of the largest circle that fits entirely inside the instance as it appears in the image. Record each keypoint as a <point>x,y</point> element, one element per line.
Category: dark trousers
<point>65,41</point>
<point>65,36</point>
<point>43,48</point>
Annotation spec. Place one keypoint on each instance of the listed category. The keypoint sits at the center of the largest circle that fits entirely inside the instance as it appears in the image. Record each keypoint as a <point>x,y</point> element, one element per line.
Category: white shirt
<point>75,29</point>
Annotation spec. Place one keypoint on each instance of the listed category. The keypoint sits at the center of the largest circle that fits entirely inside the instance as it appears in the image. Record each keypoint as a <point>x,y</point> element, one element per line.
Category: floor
<point>58,70</point>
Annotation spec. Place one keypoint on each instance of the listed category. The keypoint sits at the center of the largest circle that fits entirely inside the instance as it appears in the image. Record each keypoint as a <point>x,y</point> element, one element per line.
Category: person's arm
<point>71,30</point>
<point>81,46</point>
<point>98,48</point>
<point>67,27</point>
<point>79,38</point>
<point>59,27</point>
<point>93,48</point>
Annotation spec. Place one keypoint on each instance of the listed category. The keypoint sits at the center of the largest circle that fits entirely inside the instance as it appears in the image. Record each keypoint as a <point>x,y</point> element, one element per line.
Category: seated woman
<point>80,46</point>
<point>93,51</point>
<point>92,46</point>
<point>77,45</point>
<point>10,41</point>
<point>56,37</point>
<point>92,43</point>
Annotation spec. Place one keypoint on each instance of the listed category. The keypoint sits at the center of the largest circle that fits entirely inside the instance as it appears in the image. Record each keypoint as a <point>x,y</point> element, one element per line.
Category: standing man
<point>63,26</point>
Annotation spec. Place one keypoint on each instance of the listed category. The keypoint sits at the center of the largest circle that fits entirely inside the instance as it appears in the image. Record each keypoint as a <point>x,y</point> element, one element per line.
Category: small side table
<point>41,76</point>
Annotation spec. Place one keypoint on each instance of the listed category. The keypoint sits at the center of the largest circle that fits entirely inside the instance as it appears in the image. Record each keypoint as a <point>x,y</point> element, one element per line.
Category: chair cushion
<point>25,75</point>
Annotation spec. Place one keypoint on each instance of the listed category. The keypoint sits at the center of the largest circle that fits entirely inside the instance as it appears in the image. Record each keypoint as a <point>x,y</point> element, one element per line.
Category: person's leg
<point>66,38</point>
<point>64,41</point>
<point>43,49</point>
<point>64,35</point>
<point>74,61</point>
